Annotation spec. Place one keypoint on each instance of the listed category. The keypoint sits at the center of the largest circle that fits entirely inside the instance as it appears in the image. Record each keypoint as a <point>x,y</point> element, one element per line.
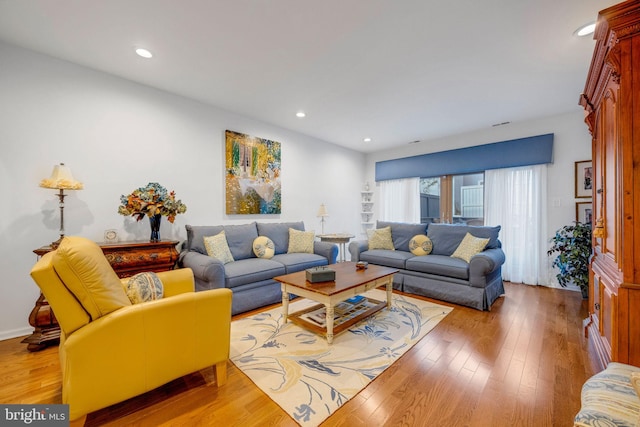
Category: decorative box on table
<point>320,274</point>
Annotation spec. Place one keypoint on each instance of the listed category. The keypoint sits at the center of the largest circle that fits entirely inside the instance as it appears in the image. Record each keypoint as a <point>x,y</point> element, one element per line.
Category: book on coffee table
<point>342,311</point>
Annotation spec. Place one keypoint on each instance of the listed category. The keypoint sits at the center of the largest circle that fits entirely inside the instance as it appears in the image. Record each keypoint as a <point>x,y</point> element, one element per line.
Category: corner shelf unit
<point>366,213</point>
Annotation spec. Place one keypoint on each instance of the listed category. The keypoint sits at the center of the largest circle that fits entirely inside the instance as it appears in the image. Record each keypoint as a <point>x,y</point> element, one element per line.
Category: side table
<point>126,258</point>
<point>340,238</point>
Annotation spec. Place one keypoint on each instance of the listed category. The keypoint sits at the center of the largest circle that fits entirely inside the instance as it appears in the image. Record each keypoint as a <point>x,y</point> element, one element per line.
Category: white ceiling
<point>393,70</point>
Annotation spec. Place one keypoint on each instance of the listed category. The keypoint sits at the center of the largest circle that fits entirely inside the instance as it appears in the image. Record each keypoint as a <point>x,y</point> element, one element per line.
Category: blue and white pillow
<point>144,287</point>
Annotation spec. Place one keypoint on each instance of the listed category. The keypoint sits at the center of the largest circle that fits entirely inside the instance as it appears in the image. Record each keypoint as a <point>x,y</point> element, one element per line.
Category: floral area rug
<point>311,379</point>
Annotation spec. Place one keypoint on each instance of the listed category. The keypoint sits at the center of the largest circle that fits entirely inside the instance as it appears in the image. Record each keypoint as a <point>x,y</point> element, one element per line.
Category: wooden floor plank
<point>522,363</point>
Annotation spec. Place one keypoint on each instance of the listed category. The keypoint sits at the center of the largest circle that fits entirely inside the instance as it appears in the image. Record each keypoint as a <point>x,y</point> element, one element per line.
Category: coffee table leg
<point>389,291</point>
<point>329,321</point>
<point>285,304</point>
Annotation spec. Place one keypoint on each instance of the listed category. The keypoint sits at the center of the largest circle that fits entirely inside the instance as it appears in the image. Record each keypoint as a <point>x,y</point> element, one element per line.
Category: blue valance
<point>533,150</point>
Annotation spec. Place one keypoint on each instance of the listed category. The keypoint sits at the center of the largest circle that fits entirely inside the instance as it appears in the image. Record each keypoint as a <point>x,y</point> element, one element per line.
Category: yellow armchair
<point>111,350</point>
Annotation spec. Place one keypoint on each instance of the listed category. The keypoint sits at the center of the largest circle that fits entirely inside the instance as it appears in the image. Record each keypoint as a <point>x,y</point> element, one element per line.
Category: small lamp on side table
<point>322,213</point>
<point>61,179</point>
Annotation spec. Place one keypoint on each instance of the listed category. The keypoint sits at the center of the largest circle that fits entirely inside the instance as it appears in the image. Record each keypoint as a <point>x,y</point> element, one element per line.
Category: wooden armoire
<point>611,100</point>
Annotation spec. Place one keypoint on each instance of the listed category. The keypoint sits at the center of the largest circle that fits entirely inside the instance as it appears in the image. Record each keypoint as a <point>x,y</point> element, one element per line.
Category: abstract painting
<point>252,168</point>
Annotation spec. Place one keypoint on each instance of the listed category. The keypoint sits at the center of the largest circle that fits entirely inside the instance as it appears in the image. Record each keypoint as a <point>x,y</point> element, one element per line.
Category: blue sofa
<point>475,284</point>
<point>250,278</point>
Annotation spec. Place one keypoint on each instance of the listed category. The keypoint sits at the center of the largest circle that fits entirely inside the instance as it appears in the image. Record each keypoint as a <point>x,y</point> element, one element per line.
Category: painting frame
<point>583,179</point>
<point>252,175</point>
<point>584,212</point>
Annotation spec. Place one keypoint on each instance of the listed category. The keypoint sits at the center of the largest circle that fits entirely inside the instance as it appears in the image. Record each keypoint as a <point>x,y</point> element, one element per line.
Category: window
<point>457,199</point>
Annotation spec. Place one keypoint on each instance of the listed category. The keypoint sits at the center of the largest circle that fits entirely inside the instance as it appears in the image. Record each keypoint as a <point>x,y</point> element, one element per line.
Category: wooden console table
<point>126,258</point>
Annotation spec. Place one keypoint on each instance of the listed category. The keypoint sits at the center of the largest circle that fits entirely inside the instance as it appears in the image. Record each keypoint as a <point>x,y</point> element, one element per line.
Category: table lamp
<point>322,213</point>
<point>61,179</point>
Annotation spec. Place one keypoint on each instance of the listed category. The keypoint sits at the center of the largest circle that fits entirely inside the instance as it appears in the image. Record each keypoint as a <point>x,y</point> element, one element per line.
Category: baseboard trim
<point>14,333</point>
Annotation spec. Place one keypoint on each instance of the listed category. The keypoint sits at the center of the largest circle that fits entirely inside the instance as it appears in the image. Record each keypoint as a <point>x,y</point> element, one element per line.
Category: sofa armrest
<point>207,271</point>
<point>327,250</point>
<point>483,264</point>
<point>356,247</point>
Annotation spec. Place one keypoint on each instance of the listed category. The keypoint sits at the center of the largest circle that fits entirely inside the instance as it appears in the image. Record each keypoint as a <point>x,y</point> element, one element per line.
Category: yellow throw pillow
<point>263,247</point>
<point>144,287</point>
<point>300,241</point>
<point>85,271</point>
<point>218,248</point>
<point>469,246</point>
<point>381,239</point>
<point>420,244</point>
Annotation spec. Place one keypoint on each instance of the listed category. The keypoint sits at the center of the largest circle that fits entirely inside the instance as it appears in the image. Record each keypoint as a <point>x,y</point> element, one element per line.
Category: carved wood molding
<point>613,60</point>
<point>628,30</point>
<point>589,113</point>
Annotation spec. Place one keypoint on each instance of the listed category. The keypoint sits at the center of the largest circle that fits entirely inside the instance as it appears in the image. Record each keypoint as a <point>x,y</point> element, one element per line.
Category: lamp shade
<point>61,179</point>
<point>322,211</point>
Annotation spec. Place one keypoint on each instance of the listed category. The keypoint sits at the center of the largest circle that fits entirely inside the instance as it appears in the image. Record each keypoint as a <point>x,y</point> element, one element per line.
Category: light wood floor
<point>521,364</point>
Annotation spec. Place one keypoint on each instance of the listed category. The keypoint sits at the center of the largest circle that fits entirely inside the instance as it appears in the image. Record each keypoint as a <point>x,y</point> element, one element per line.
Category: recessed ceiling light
<point>367,140</point>
<point>301,114</point>
<point>585,30</point>
<point>143,53</point>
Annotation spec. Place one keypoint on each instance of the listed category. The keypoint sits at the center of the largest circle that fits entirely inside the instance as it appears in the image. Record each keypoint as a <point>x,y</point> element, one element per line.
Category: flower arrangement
<point>150,201</point>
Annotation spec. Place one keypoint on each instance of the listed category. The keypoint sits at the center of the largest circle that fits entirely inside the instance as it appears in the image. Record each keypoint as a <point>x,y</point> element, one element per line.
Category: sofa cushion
<point>279,233</point>
<point>300,241</point>
<point>381,239</point>
<point>85,271</point>
<point>385,257</point>
<point>239,238</point>
<point>469,246</point>
<point>420,244</point>
<point>440,265</point>
<point>447,237</point>
<point>402,233</point>
<point>300,261</point>
<point>218,248</point>
<point>263,247</point>
<point>251,270</point>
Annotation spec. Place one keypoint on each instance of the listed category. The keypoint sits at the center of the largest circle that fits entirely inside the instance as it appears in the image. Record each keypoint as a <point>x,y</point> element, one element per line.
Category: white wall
<point>572,142</point>
<point>117,135</point>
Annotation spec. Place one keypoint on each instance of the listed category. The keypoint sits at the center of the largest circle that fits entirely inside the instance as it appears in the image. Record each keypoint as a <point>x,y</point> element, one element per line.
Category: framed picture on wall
<point>584,179</point>
<point>584,212</point>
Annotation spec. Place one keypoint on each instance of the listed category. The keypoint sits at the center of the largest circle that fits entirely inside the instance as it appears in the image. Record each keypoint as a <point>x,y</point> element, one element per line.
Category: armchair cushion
<point>144,287</point>
<point>85,271</point>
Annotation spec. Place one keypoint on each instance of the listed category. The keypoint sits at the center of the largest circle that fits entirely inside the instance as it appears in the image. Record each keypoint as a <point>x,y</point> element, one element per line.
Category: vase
<point>154,221</point>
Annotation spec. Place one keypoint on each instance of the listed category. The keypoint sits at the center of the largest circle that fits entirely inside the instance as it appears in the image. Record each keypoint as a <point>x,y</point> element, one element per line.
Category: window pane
<point>468,199</point>
<point>429,200</point>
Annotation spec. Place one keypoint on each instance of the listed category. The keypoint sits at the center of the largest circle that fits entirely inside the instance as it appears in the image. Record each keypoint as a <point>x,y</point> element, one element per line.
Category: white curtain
<point>400,200</point>
<point>515,198</point>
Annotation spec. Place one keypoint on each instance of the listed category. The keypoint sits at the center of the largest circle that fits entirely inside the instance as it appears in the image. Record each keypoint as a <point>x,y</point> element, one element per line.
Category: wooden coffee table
<point>349,283</point>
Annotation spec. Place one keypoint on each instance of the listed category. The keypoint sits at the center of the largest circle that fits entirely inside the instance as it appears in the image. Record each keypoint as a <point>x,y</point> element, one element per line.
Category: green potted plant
<point>573,245</point>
